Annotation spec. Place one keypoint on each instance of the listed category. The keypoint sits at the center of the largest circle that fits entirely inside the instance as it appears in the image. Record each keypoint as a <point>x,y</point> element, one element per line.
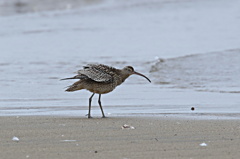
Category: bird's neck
<point>123,77</point>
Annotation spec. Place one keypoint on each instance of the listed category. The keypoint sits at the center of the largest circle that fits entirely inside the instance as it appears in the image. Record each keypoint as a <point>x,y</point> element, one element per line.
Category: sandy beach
<point>76,137</point>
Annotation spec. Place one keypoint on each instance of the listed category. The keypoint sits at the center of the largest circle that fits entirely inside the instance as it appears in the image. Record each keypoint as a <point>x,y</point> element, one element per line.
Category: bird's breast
<point>100,87</point>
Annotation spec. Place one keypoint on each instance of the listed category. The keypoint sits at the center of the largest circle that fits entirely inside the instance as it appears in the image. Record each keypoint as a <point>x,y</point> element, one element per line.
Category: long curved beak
<point>136,73</point>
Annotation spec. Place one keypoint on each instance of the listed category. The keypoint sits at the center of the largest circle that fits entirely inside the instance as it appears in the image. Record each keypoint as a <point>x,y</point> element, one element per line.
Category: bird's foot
<point>104,116</point>
<point>89,116</point>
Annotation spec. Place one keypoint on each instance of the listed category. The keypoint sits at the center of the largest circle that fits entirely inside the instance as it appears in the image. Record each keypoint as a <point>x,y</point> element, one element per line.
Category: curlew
<point>100,79</point>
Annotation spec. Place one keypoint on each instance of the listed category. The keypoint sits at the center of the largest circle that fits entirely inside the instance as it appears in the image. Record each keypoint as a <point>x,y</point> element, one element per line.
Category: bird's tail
<point>71,89</point>
<point>69,78</point>
<point>74,87</point>
<point>80,76</point>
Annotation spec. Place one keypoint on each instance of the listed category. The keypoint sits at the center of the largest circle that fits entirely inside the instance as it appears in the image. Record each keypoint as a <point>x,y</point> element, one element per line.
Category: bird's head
<point>129,70</point>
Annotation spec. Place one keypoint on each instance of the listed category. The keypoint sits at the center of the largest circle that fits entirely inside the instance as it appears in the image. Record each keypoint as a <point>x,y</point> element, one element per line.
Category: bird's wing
<point>97,72</point>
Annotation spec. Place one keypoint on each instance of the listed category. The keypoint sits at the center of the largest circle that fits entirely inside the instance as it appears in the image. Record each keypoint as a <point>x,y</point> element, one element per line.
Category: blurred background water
<point>189,49</point>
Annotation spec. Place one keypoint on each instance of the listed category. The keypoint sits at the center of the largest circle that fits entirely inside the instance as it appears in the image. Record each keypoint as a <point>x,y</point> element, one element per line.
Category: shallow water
<point>189,49</point>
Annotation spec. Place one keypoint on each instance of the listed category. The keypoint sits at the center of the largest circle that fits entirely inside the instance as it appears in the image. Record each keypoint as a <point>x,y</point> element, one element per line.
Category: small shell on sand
<point>15,139</point>
<point>125,126</point>
<point>203,144</point>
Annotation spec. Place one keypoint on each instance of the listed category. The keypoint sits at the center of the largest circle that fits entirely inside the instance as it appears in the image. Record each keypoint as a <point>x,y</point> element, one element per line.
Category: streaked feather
<point>98,72</point>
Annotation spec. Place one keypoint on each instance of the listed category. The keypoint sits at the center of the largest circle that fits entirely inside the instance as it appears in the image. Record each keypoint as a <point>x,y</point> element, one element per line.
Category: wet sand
<point>76,137</point>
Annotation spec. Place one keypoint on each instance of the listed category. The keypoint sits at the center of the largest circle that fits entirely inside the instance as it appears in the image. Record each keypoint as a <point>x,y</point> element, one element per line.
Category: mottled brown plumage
<point>100,79</point>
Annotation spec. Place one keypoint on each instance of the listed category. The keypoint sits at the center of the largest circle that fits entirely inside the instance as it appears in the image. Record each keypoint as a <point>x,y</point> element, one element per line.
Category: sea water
<point>189,49</point>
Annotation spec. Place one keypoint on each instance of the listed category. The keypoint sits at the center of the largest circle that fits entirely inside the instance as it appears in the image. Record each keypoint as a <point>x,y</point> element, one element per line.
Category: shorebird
<point>100,79</point>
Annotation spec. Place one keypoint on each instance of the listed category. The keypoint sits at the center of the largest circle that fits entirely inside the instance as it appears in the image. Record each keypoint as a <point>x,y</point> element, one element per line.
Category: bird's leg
<point>89,107</point>
<point>99,102</point>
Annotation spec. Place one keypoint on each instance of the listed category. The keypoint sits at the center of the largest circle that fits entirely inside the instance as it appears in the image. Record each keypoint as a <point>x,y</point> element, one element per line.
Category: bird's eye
<point>130,68</point>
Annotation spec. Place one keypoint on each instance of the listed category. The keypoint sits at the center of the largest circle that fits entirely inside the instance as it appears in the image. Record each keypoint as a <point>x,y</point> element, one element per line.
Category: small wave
<point>207,90</point>
<point>27,6</point>
<point>211,72</point>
